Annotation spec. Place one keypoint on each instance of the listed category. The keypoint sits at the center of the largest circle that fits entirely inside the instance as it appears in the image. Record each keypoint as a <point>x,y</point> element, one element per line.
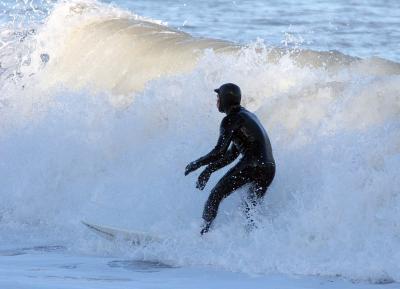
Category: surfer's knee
<point>214,199</point>
<point>216,196</point>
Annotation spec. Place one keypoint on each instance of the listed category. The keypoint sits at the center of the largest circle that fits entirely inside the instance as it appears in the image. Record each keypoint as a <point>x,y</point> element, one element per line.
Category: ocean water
<point>102,106</point>
<point>357,28</point>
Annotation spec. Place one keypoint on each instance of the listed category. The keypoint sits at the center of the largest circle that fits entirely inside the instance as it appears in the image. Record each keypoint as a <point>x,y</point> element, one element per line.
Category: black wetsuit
<point>240,133</point>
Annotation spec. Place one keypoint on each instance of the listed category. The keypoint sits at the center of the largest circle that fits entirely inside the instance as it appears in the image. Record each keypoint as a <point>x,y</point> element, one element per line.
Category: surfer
<point>240,133</point>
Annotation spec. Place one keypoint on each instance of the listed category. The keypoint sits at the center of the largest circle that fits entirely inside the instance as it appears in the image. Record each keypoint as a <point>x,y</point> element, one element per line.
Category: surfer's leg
<point>234,179</point>
<point>251,202</point>
<point>262,179</point>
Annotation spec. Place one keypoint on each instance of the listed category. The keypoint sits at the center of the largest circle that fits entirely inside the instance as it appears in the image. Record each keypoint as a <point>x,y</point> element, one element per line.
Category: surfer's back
<point>251,138</point>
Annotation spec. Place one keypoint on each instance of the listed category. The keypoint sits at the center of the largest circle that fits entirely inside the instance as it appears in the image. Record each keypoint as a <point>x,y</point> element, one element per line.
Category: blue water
<point>359,28</point>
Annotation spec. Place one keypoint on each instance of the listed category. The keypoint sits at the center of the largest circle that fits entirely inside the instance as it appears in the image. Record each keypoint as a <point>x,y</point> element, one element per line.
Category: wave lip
<point>85,43</point>
<point>91,44</point>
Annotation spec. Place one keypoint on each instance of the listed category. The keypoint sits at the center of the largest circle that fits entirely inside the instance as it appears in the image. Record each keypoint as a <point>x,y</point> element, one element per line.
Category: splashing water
<point>102,109</point>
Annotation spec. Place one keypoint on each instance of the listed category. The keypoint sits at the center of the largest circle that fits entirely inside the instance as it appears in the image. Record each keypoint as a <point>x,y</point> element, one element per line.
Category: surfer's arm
<point>228,158</point>
<point>218,152</point>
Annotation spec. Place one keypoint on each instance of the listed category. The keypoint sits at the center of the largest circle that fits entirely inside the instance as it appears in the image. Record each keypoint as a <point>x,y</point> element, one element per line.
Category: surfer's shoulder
<point>231,121</point>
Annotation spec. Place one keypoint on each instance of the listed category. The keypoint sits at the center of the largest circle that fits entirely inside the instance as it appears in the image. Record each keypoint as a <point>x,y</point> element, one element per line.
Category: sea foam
<point>101,121</point>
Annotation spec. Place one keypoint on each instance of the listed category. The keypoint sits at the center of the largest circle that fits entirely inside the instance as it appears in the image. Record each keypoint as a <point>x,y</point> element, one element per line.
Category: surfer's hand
<point>191,167</point>
<point>203,179</point>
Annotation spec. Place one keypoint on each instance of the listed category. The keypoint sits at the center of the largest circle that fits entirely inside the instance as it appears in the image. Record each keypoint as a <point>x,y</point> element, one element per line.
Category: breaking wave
<point>101,110</point>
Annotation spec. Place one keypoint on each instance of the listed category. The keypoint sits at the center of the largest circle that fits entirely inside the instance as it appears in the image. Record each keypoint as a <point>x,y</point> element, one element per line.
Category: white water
<point>104,129</point>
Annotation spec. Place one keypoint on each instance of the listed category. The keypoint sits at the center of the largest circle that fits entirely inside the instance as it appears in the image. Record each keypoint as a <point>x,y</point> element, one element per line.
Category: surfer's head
<point>229,95</point>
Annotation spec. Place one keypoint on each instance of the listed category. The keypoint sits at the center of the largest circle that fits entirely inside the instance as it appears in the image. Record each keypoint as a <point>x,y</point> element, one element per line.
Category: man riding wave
<point>241,133</point>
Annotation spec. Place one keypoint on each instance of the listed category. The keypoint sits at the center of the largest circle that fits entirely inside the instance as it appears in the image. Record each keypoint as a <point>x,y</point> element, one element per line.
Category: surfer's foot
<point>205,229</point>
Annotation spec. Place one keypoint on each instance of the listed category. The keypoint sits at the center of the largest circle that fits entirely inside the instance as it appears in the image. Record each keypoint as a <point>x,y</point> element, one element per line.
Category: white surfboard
<point>136,238</point>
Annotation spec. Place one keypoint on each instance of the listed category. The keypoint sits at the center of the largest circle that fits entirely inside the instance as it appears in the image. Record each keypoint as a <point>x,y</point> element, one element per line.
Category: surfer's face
<point>219,104</point>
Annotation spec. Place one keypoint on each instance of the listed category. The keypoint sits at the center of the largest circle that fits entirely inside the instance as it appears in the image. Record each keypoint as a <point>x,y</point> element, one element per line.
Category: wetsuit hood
<point>229,96</point>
